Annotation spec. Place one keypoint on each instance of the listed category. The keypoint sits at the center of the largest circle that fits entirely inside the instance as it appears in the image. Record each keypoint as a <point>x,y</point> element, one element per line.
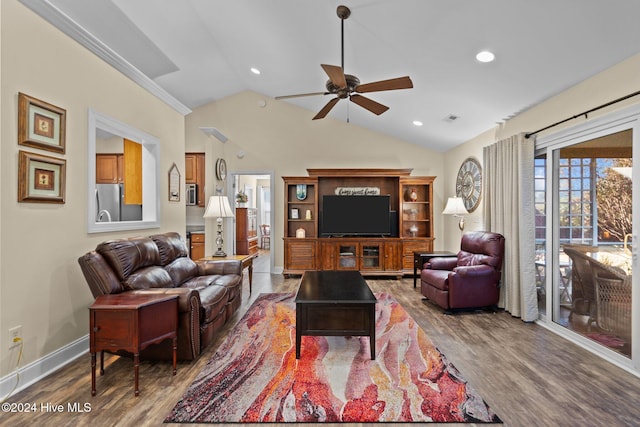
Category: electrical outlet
<point>15,335</point>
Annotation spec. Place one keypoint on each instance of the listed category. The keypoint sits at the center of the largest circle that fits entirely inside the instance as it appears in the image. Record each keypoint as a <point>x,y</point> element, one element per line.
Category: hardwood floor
<point>262,261</point>
<point>529,376</point>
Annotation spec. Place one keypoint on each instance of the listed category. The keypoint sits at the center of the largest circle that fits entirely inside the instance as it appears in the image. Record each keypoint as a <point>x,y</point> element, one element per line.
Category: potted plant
<point>241,198</point>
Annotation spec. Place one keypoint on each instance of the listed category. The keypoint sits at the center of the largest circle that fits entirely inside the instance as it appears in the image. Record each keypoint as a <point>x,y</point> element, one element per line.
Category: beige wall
<point>281,137</point>
<point>613,83</point>
<point>41,286</point>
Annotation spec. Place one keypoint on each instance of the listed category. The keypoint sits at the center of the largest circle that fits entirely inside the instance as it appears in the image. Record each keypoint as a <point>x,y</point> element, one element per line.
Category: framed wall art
<point>41,178</point>
<point>40,124</point>
<point>174,184</point>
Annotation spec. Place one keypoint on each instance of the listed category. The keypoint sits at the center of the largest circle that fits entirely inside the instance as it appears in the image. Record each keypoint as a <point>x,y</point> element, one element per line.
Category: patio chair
<point>583,290</point>
<point>613,300</point>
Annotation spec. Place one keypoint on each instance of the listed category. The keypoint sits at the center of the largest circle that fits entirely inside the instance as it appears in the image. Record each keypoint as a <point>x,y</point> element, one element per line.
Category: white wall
<point>41,286</point>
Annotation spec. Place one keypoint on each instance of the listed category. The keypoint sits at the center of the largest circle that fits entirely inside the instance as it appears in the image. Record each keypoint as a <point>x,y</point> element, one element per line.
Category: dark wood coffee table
<point>335,303</point>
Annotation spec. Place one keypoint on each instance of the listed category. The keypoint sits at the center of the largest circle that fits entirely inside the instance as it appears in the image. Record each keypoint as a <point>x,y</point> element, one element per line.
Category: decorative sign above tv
<point>357,191</point>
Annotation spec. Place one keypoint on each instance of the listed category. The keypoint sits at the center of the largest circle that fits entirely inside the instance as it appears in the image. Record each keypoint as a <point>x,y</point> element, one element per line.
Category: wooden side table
<point>245,260</point>
<point>131,322</point>
<point>419,258</point>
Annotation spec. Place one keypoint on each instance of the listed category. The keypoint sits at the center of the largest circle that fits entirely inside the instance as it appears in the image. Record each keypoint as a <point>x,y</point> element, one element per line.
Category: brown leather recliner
<point>209,292</point>
<point>470,280</point>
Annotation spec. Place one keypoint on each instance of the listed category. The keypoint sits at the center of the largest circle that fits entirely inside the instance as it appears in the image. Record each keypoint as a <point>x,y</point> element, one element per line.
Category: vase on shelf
<point>413,231</point>
<point>413,195</point>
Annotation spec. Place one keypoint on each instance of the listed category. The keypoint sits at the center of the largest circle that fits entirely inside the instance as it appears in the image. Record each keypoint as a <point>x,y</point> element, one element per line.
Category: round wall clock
<point>469,183</point>
<point>221,169</point>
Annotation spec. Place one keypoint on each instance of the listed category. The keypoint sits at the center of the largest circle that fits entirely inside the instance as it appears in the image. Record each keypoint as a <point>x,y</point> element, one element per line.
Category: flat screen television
<point>355,216</point>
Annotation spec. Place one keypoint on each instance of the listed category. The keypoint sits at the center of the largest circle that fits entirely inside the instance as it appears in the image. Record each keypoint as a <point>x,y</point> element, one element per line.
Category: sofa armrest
<point>442,263</point>
<point>99,276</point>
<point>475,271</point>
<point>474,286</point>
<point>471,279</point>
<point>209,267</point>
<point>188,299</point>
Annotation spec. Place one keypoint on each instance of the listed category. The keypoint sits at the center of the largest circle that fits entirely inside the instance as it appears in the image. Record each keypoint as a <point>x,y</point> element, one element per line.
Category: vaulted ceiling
<point>201,51</point>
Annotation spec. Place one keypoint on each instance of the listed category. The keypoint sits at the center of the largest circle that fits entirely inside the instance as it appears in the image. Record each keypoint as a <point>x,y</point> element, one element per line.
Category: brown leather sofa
<point>209,292</point>
<point>470,280</point>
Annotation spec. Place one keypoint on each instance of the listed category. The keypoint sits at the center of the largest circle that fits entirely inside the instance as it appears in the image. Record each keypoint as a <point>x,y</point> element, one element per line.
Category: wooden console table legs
<point>136,368</point>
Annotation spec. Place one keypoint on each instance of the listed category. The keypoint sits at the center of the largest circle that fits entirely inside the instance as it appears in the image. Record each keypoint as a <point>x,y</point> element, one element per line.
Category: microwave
<point>192,194</point>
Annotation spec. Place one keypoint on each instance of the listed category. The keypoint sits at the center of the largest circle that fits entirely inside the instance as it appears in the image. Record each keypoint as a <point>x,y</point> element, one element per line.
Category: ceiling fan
<point>348,86</point>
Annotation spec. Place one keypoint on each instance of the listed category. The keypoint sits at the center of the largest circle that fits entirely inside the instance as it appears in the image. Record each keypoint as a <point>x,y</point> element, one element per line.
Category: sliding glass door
<point>585,248</point>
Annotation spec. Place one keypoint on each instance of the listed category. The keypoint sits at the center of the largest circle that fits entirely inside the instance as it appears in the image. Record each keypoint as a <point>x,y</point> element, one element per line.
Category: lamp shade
<point>218,207</point>
<point>455,206</point>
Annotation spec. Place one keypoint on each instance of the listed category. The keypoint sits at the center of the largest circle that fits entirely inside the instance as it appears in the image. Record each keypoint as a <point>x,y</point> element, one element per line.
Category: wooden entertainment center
<point>411,222</point>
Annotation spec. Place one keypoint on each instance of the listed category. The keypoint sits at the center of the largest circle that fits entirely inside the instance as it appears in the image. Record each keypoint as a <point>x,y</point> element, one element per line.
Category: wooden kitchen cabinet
<point>194,173</point>
<point>197,246</point>
<point>123,168</point>
<point>109,168</point>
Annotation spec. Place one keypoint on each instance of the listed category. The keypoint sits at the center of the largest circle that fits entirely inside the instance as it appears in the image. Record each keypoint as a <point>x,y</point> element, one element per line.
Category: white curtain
<point>509,210</point>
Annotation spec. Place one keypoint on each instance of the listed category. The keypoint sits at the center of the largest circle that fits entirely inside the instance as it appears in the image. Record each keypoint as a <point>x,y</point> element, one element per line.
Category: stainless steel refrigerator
<point>110,205</point>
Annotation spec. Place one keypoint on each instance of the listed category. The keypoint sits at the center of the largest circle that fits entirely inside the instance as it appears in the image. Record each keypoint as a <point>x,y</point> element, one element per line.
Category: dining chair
<point>265,236</point>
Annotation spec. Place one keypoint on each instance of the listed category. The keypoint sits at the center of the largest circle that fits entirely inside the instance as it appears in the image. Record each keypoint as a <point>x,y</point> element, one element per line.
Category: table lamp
<point>455,207</point>
<point>218,207</point>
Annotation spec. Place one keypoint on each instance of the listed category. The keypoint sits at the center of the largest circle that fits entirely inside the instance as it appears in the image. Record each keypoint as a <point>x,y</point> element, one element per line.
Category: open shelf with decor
<point>300,224</point>
<point>416,216</point>
<point>301,208</point>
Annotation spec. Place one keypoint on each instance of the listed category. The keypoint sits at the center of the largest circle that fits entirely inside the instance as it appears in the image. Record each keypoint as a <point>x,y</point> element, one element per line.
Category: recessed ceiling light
<point>254,70</point>
<point>417,122</point>
<point>485,56</point>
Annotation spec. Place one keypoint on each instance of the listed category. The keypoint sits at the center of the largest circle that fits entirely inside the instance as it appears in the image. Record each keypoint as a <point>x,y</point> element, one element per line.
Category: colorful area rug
<point>255,377</point>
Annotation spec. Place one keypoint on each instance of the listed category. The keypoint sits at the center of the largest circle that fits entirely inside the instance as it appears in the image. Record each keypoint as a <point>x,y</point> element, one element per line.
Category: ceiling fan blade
<point>369,104</point>
<point>300,95</point>
<point>391,84</point>
<point>325,110</point>
<point>336,75</point>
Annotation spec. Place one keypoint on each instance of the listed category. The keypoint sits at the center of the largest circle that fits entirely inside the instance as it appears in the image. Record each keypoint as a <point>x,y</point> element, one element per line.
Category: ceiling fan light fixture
<point>347,86</point>
<point>485,56</point>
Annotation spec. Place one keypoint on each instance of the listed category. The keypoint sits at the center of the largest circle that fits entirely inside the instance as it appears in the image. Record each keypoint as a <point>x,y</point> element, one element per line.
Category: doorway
<point>256,188</point>
<point>586,221</point>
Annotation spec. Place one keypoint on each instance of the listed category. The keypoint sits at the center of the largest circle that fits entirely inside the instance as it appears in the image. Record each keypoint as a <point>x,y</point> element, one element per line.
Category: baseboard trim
<point>37,370</point>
